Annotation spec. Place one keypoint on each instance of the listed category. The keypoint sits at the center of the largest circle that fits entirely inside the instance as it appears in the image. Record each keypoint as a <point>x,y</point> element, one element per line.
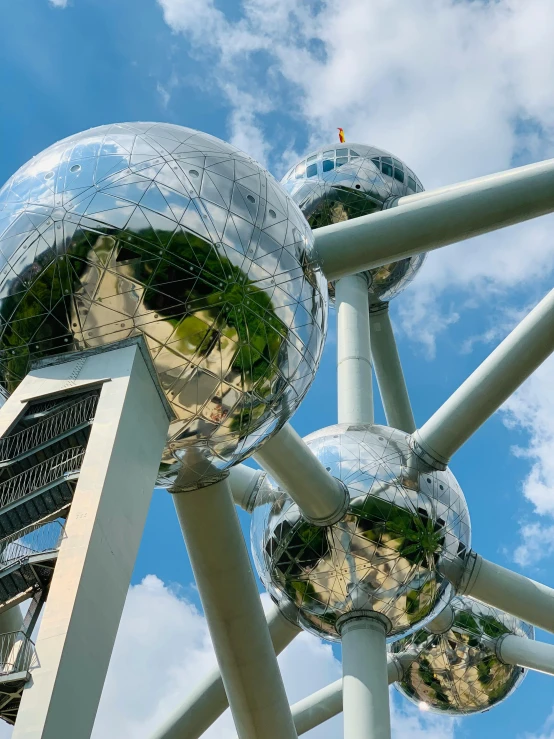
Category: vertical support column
<point>388,371</point>
<point>103,532</point>
<point>365,677</point>
<point>354,375</point>
<point>234,613</point>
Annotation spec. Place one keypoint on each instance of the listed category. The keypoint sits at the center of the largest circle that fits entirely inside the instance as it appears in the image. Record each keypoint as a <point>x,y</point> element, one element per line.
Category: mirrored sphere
<point>344,181</point>
<point>160,230</point>
<point>459,672</point>
<point>403,518</point>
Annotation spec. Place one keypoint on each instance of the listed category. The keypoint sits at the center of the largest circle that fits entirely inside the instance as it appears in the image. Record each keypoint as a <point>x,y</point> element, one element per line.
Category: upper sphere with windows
<point>402,521</point>
<point>459,672</point>
<point>336,183</point>
<point>160,230</point>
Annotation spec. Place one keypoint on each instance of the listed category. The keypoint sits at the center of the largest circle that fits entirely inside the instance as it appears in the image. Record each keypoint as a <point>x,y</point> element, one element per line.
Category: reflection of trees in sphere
<point>337,183</point>
<point>459,672</point>
<point>163,231</point>
<point>382,556</point>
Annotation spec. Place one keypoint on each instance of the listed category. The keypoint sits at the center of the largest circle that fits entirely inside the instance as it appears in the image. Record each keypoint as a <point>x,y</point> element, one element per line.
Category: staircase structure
<point>40,460</point>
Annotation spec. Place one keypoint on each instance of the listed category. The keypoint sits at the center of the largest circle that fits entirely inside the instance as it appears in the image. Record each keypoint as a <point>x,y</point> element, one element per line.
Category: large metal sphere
<point>403,518</point>
<point>163,231</point>
<point>337,183</point>
<point>459,672</point>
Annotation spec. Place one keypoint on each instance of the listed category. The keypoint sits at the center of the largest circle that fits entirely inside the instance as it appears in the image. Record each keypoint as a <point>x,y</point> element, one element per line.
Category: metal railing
<point>79,412</point>
<point>34,540</point>
<point>17,653</point>
<point>40,475</point>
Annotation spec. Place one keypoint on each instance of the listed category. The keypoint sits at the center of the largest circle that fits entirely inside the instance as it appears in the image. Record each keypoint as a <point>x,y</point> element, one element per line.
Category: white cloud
<point>58,3</point>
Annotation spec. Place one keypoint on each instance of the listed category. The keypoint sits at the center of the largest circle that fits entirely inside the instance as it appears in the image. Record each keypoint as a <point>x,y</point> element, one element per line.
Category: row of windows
<point>334,158</point>
<point>393,168</point>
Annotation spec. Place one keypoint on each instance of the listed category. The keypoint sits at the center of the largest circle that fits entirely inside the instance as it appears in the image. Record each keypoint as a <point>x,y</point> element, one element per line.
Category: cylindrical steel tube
<point>244,482</point>
<point>502,372</point>
<point>436,218</point>
<point>354,375</point>
<point>509,591</point>
<point>235,617</point>
<point>535,655</point>
<point>388,370</point>
<point>288,459</point>
<point>365,679</point>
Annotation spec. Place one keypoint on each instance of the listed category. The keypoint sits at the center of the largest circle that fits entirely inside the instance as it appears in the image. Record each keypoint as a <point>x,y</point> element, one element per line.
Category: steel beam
<point>235,617</point>
<point>208,701</point>
<point>288,459</point>
<point>534,655</point>
<point>365,678</point>
<point>435,218</point>
<point>245,482</point>
<point>354,374</point>
<point>501,588</point>
<point>388,370</point>
<point>521,352</point>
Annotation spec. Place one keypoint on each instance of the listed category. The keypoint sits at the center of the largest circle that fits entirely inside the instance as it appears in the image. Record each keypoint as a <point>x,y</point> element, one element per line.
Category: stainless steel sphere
<point>160,230</point>
<point>403,519</point>
<point>340,182</point>
<point>458,672</point>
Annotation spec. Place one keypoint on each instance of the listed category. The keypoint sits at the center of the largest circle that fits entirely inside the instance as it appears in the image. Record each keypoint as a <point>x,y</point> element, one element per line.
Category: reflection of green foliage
<point>415,536</point>
<point>425,672</point>
<point>420,602</point>
<point>492,627</point>
<point>307,544</point>
<point>24,314</point>
<point>232,307</point>
<point>466,621</point>
<point>333,203</point>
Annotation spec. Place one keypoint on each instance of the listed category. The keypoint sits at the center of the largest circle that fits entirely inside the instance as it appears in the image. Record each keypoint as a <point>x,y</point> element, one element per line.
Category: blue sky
<point>456,89</point>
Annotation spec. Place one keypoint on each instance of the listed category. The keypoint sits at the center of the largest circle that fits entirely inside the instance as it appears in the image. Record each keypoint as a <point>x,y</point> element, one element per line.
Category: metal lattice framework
<point>156,241</point>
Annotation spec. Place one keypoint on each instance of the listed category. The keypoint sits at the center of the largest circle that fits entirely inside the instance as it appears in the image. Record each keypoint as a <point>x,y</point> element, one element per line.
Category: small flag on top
<point>341,135</point>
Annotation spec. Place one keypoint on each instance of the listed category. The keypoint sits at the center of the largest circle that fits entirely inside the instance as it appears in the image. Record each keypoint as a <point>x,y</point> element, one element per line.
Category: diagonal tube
<point>502,372</point>
<point>435,218</point>
<point>245,483</point>
<point>232,607</point>
<point>388,370</point>
<point>322,499</point>
<point>517,650</point>
<point>208,701</point>
<point>501,588</point>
